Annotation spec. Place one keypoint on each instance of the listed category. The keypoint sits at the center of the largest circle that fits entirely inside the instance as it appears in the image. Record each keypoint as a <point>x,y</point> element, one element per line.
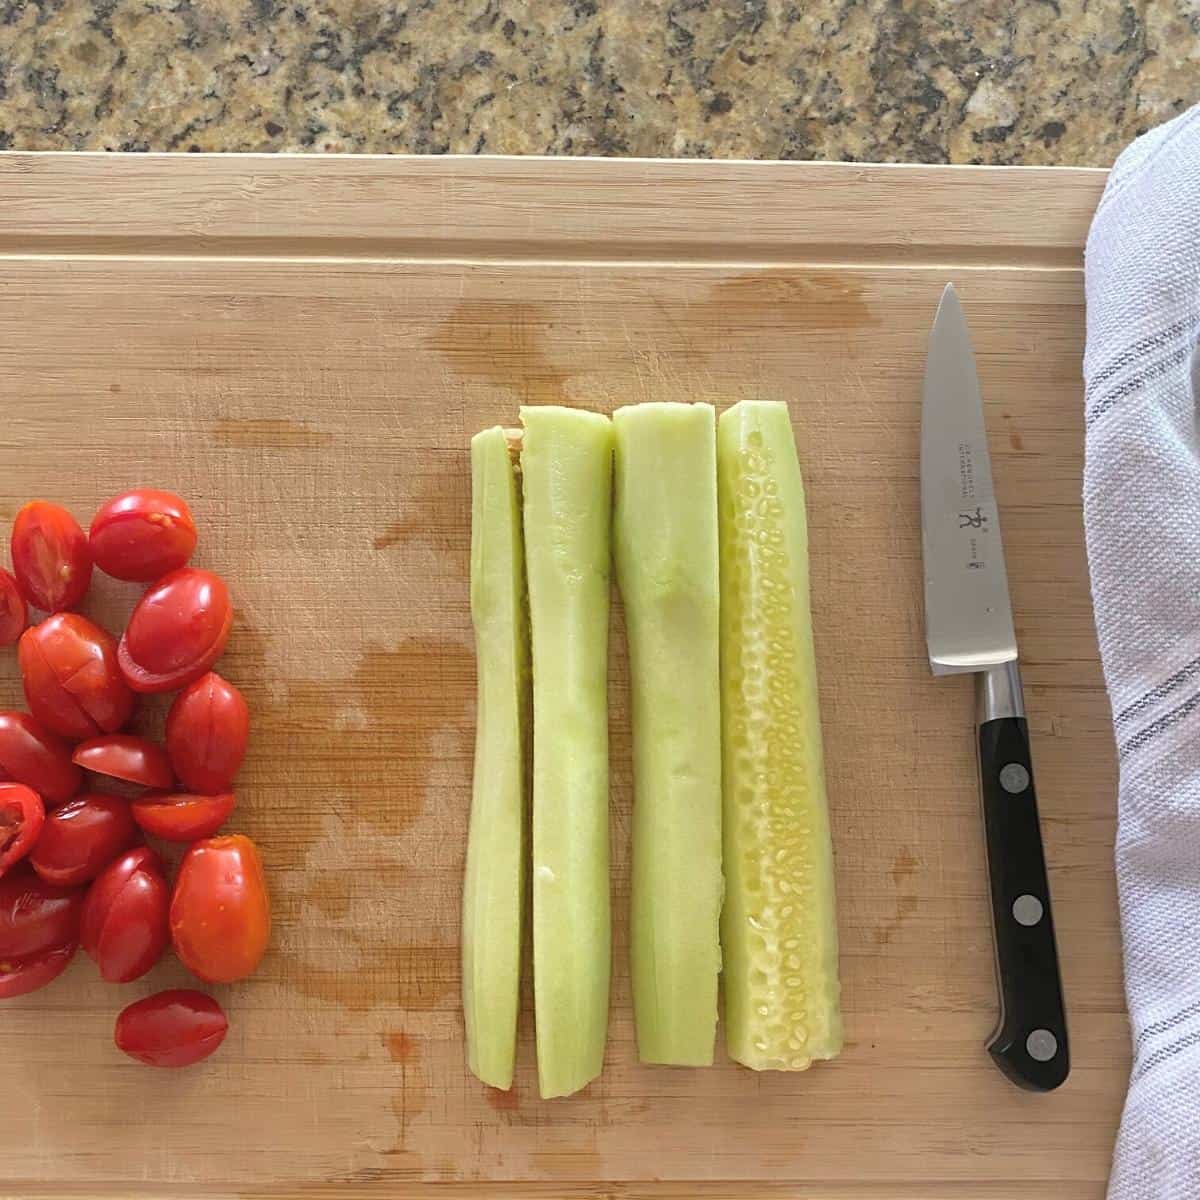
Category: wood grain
<point>302,348</point>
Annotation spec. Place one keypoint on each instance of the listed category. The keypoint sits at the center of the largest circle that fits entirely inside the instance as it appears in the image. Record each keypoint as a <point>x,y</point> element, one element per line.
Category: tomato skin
<point>21,819</point>
<point>37,758</point>
<point>142,534</point>
<point>18,976</point>
<point>124,924</point>
<point>50,555</point>
<point>36,916</point>
<point>122,756</point>
<point>73,684</point>
<point>179,817</point>
<point>82,837</point>
<point>220,914</point>
<point>14,612</point>
<point>105,888</point>
<point>177,631</point>
<point>207,730</point>
<point>175,1028</point>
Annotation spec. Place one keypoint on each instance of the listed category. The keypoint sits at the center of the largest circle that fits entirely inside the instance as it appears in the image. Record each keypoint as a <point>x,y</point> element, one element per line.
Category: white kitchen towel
<point>1142,517</point>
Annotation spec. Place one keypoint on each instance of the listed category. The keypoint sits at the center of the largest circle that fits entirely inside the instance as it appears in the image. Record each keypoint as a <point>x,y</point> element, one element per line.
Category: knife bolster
<point>998,693</point>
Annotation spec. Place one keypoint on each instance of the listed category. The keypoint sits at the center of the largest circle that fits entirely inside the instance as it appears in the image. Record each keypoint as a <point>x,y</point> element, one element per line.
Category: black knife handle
<point>1030,1042</point>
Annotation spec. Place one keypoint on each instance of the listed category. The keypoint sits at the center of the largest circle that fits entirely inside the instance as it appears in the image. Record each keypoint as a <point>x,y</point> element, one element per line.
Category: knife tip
<point>949,306</point>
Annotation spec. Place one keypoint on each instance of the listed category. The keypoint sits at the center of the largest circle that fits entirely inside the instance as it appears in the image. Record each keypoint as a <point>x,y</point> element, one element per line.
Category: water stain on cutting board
<point>502,1102</point>
<point>266,433</point>
<point>904,868</point>
<point>405,695</point>
<point>503,343</point>
<point>402,1048</point>
<point>740,308</point>
<point>412,1095</point>
<point>436,511</point>
<point>356,796</point>
<point>809,301</point>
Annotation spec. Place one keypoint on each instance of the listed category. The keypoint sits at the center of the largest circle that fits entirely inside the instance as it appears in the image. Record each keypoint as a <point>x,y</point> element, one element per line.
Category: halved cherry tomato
<point>72,681</point>
<point>220,914</point>
<point>179,817</point>
<point>82,837</point>
<point>171,1029</point>
<point>207,730</point>
<point>14,612</point>
<point>37,758</point>
<point>50,555</point>
<point>107,886</point>
<point>124,926</point>
<point>177,631</point>
<point>36,916</point>
<point>21,975</point>
<point>21,820</point>
<point>142,534</point>
<point>121,756</point>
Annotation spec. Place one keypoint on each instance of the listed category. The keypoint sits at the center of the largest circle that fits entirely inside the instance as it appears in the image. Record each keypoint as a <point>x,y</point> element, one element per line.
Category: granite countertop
<point>991,81</point>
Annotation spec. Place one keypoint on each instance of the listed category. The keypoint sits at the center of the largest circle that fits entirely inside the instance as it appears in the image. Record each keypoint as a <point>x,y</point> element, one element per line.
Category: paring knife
<point>969,628</point>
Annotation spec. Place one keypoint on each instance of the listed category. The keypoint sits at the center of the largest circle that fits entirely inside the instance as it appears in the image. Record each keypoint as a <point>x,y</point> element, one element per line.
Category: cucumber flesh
<point>778,926</point>
<point>494,886</point>
<point>665,539</point>
<point>566,468</point>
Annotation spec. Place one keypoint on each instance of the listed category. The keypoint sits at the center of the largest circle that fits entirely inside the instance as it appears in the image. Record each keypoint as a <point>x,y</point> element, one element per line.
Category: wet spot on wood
<point>265,433</point>
<point>812,300</point>
<point>355,787</point>
<point>393,535</point>
<point>505,344</point>
<point>436,509</point>
<point>410,1099</point>
<point>904,866</point>
<point>501,1101</point>
<point>401,1047</point>
<point>906,906</point>
<point>404,697</point>
<point>329,893</point>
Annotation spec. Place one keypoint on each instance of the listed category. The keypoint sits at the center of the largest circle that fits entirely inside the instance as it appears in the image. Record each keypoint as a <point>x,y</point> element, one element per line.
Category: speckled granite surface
<point>993,81</point>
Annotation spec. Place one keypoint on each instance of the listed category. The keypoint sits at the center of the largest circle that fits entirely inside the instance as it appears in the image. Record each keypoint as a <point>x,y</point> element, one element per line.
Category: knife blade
<point>969,628</point>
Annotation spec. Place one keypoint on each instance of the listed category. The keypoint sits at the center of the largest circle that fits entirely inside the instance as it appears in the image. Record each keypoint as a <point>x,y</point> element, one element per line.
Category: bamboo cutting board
<point>302,348</point>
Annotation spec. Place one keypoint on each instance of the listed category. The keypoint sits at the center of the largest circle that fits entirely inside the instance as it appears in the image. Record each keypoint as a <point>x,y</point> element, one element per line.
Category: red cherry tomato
<point>36,916</point>
<point>142,534</point>
<point>182,818</point>
<point>177,631</point>
<point>171,1029</point>
<point>207,730</point>
<point>50,555</point>
<point>21,820</point>
<point>72,681</point>
<point>220,915</point>
<point>37,758</point>
<point>21,975</point>
<point>132,759</point>
<point>124,926</point>
<point>14,612</point>
<point>107,886</point>
<point>82,837</point>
